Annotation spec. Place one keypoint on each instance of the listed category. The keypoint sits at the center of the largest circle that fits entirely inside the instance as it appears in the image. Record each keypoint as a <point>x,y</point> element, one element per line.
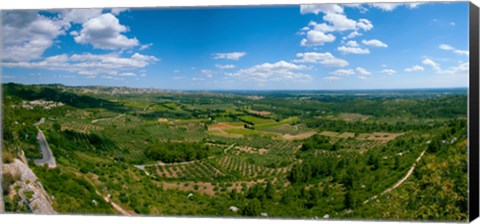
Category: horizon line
<point>226,90</point>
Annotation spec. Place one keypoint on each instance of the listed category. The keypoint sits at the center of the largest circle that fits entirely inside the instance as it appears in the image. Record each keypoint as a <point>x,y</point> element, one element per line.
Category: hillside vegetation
<point>298,154</point>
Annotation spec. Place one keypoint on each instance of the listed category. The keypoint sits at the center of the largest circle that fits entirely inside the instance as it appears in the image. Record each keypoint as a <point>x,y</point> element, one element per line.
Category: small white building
<point>264,214</point>
<point>233,209</point>
<point>454,139</point>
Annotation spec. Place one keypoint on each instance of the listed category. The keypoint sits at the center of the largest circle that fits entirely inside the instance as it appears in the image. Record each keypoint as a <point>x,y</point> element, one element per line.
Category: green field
<point>256,120</point>
<point>276,124</point>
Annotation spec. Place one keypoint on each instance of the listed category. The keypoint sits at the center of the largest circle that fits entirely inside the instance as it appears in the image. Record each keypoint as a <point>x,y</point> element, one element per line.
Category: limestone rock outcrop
<point>29,188</point>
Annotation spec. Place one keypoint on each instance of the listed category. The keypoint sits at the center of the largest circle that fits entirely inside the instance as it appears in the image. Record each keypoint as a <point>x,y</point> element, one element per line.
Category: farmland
<point>280,153</point>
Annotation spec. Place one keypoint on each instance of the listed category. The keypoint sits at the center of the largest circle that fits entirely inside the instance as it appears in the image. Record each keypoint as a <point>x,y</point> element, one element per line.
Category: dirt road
<point>114,205</point>
<point>160,163</point>
<point>401,181</point>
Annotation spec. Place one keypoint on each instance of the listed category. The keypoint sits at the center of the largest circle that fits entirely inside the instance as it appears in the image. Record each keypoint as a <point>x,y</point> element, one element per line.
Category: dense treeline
<point>445,106</point>
<point>313,168</point>
<point>167,114</point>
<point>367,127</point>
<point>318,142</point>
<point>169,152</point>
<point>55,93</point>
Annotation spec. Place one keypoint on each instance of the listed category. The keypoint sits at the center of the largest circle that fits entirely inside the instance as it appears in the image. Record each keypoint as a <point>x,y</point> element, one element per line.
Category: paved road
<point>47,155</point>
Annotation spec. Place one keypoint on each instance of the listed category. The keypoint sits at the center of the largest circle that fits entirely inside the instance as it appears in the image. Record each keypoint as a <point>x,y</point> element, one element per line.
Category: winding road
<point>47,155</point>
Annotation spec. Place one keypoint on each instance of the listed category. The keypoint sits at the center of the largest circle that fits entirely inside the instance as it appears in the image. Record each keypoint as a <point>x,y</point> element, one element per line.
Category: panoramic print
<point>327,111</point>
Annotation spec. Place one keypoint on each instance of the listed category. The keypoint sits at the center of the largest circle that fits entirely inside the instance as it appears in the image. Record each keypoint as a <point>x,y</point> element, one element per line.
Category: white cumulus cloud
<point>392,6</point>
<point>224,66</point>
<point>335,20</point>
<point>339,22</point>
<point>352,43</point>
<point>117,11</point>
<point>79,15</point>
<point>90,64</point>
<point>317,38</point>
<point>104,32</point>
<point>461,52</point>
<point>363,71</point>
<point>352,35</point>
<point>415,68</point>
<point>461,69</point>
<point>229,56</point>
<point>343,72</point>
<point>145,46</point>
<point>431,63</point>
<point>127,74</point>
<point>27,34</point>
<point>353,50</point>
<point>445,47</point>
<point>374,43</point>
<point>279,71</point>
<point>454,50</point>
<point>389,71</point>
<point>317,8</point>
<point>326,59</point>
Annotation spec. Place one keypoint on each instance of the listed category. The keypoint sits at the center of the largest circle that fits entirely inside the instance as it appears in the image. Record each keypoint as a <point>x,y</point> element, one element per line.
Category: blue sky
<point>325,46</point>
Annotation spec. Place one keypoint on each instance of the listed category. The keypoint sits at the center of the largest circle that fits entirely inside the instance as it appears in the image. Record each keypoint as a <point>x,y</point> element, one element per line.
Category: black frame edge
<point>473,123</point>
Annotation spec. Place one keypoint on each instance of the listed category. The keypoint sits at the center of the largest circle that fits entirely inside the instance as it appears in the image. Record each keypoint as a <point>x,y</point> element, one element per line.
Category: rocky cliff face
<point>28,188</point>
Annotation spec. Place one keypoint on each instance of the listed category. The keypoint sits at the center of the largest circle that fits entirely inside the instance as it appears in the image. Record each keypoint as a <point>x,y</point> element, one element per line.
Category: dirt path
<point>295,150</point>
<point>114,205</point>
<point>105,198</point>
<point>225,150</point>
<point>401,181</point>
<point>107,118</point>
<point>299,136</point>
<point>160,163</point>
<point>42,121</point>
